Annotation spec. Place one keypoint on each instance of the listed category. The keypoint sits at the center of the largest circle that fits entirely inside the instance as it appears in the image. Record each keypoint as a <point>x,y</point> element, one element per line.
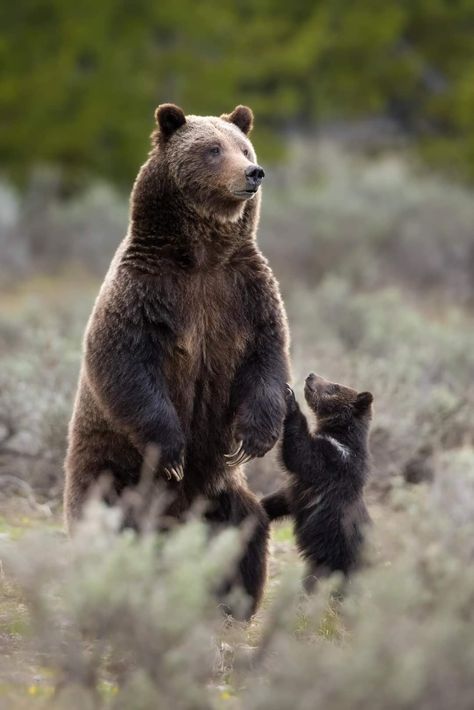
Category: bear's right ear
<point>242,117</point>
<point>169,118</point>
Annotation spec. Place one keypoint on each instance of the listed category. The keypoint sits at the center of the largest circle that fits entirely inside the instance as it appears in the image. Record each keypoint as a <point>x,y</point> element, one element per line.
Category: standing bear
<point>187,345</point>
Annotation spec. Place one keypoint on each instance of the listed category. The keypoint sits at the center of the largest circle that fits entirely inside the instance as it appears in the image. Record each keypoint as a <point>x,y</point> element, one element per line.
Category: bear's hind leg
<point>276,505</point>
<point>241,508</point>
<point>253,565</point>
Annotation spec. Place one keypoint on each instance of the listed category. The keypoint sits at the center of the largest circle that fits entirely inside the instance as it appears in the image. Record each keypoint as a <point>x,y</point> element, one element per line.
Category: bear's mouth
<point>245,194</point>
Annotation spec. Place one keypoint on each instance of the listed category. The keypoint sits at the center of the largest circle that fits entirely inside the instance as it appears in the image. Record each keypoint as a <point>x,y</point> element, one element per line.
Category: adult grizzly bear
<point>187,344</point>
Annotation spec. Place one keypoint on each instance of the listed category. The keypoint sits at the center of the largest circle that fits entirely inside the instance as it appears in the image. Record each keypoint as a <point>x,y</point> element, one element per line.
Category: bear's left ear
<point>363,401</point>
<point>169,118</point>
<point>242,117</point>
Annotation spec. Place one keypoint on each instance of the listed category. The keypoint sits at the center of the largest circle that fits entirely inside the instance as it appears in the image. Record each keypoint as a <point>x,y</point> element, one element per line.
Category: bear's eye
<point>215,150</point>
<point>246,152</point>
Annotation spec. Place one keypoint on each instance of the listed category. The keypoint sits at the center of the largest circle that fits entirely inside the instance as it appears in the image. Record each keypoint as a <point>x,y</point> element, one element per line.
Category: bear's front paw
<point>252,445</point>
<point>172,462</point>
<point>257,432</point>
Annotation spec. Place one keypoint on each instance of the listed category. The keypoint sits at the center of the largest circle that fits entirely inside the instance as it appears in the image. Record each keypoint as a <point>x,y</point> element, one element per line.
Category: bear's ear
<point>363,401</point>
<point>169,118</point>
<point>242,117</point>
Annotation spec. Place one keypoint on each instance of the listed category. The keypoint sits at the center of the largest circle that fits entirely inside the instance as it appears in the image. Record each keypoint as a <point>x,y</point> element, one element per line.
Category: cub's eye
<point>246,152</point>
<point>215,150</point>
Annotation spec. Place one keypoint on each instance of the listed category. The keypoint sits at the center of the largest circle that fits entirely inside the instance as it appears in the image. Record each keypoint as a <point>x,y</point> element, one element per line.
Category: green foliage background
<point>79,80</point>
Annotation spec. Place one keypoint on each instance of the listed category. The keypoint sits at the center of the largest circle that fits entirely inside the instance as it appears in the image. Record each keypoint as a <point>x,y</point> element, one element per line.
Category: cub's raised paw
<point>290,399</point>
<point>289,393</point>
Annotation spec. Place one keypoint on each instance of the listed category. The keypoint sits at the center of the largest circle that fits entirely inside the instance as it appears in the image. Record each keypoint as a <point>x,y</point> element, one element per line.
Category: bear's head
<point>333,401</point>
<point>210,160</point>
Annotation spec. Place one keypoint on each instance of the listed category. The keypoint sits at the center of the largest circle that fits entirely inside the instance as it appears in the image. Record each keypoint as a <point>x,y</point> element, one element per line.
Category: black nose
<point>254,175</point>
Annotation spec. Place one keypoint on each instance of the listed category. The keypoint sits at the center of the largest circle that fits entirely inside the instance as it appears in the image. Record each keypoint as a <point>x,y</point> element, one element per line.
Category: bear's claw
<point>176,472</point>
<point>236,452</point>
<point>245,458</point>
<point>238,457</point>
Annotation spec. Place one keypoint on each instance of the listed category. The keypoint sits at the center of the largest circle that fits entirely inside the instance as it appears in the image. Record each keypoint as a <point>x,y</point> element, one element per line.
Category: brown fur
<point>327,471</point>
<point>186,347</point>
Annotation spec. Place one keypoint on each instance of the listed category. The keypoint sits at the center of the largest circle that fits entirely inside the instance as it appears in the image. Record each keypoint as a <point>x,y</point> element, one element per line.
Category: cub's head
<point>210,160</point>
<point>332,401</point>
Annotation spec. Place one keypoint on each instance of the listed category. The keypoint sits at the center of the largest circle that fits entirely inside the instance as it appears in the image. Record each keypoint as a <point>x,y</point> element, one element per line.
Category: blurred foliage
<point>80,80</point>
<point>124,622</point>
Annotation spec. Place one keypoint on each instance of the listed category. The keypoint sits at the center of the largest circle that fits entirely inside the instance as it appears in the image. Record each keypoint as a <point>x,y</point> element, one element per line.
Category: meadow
<point>375,257</point>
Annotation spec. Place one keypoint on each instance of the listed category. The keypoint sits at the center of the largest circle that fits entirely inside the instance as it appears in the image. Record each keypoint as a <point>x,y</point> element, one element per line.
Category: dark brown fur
<point>327,472</point>
<point>186,347</point>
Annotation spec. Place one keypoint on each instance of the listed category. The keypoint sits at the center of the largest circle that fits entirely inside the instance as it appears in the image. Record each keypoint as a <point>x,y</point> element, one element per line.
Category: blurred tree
<point>79,81</point>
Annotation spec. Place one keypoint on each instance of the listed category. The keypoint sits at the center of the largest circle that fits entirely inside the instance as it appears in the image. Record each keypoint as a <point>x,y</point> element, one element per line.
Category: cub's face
<point>210,159</point>
<point>329,399</point>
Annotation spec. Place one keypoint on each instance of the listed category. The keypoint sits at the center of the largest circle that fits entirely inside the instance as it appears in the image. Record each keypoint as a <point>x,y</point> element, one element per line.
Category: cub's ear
<point>169,118</point>
<point>242,117</point>
<point>363,401</point>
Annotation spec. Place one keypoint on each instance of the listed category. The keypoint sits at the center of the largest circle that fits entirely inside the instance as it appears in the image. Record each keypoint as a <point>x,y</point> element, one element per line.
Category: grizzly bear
<point>328,469</point>
<point>187,345</point>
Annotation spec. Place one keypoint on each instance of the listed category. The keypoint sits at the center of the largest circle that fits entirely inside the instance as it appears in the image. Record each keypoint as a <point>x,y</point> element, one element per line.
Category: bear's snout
<point>313,380</point>
<point>254,175</point>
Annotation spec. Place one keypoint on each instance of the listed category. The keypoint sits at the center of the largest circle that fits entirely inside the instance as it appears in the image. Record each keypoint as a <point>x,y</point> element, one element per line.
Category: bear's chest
<point>213,331</point>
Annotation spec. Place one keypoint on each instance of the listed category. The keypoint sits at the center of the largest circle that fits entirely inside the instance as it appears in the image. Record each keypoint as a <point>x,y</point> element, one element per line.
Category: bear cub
<point>327,472</point>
